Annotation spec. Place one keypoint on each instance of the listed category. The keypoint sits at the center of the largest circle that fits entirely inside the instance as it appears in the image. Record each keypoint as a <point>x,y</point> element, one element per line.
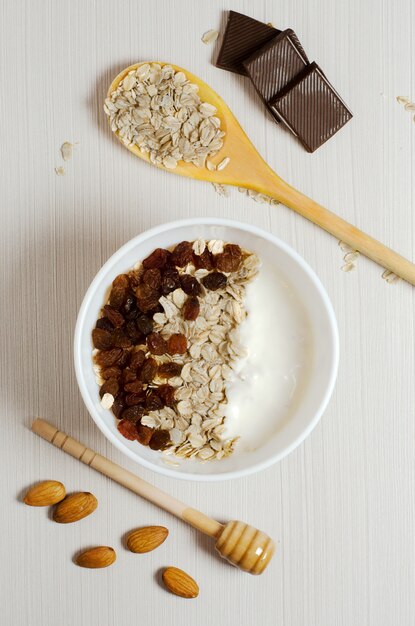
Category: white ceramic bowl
<point>293,268</point>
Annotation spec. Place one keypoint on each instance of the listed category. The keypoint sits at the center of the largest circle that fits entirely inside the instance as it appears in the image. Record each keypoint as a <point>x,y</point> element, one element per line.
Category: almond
<point>180,583</point>
<point>102,556</point>
<point>146,539</point>
<point>74,507</point>
<point>45,493</point>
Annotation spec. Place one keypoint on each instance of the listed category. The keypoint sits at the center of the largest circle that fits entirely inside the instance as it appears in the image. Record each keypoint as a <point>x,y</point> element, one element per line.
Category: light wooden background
<point>342,506</point>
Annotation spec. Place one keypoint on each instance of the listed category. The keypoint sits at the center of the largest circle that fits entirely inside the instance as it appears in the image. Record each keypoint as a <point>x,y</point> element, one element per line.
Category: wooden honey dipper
<point>241,544</point>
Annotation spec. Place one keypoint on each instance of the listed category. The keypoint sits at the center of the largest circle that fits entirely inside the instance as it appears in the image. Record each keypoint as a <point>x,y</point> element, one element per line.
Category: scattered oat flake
<point>258,197</point>
<point>199,246</point>
<point>390,277</point>
<point>107,401</point>
<point>349,257</point>
<point>393,279</point>
<point>345,246</point>
<point>215,246</point>
<point>210,36</point>
<point>211,166</point>
<point>221,190</point>
<point>66,150</point>
<point>223,164</point>
<point>171,463</point>
<point>403,100</point>
<point>60,171</point>
<point>349,267</point>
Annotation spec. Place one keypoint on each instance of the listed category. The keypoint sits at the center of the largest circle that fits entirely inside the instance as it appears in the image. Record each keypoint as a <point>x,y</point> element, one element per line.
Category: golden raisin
<point>177,344</point>
<point>191,308</point>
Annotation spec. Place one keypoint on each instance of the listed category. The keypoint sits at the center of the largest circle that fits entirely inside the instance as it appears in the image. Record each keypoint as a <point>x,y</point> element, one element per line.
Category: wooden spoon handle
<point>139,486</point>
<point>275,187</point>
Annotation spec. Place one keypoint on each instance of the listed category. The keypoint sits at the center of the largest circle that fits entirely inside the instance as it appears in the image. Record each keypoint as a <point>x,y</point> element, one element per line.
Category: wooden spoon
<point>248,169</point>
<point>239,543</point>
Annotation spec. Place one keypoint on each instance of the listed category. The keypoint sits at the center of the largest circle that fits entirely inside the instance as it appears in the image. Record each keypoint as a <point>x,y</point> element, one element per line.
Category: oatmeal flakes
<point>160,112</point>
<point>210,36</point>
<point>107,401</point>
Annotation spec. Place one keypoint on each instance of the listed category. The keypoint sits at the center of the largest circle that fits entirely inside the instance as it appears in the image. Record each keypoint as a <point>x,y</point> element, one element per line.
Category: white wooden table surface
<point>342,506</point>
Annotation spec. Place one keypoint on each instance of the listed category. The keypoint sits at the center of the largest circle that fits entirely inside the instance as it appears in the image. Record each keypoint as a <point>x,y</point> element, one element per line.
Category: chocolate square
<point>311,108</point>
<point>274,65</point>
<point>243,35</point>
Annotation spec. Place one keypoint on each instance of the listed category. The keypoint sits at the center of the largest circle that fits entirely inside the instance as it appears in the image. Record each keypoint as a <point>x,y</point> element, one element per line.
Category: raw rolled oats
<point>210,36</point>
<point>159,110</point>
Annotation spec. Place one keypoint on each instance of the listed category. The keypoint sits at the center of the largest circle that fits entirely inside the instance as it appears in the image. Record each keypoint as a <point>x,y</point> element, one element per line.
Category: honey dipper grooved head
<point>246,547</point>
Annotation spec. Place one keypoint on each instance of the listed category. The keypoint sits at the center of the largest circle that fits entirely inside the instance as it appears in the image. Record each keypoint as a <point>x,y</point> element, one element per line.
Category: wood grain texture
<point>342,506</point>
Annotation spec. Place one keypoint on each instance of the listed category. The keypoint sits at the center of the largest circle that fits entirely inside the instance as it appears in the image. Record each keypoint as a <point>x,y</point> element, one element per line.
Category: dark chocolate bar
<point>311,108</point>
<point>274,65</point>
<point>243,35</point>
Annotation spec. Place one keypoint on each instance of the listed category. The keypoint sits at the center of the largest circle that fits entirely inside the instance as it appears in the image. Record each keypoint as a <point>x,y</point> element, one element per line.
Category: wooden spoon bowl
<point>248,169</point>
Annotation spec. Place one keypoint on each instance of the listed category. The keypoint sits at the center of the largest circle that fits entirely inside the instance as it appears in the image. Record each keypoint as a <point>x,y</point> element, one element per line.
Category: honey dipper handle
<point>274,186</point>
<point>127,479</point>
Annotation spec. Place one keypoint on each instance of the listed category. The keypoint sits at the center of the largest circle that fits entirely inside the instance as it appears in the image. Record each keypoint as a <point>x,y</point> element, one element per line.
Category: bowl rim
<point>209,221</point>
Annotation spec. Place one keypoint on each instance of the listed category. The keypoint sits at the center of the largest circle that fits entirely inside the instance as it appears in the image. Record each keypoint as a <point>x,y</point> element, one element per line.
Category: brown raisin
<point>147,298</point>
<point>127,429</point>
<point>115,317</point>
<point>215,281</point>
<point>160,440</point>
<point>130,308</point>
<point>148,370</point>
<point>170,281</point>
<point>120,339</point>
<point>133,333</point>
<point>169,370</point>
<point>111,372</point>
<point>152,278</point>
<point>132,399</point>
<point>230,259</point>
<point>177,344</point>
<point>101,339</point>
<point>121,280</point>
<point>156,259</point>
<point>104,324</point>
<point>144,434</point>
<point>106,358</point>
<point>119,291</point>
<point>124,359</point>
<point>133,413</point>
<point>156,344</point>
<point>137,359</point>
<point>166,393</point>
<point>135,386</point>
<point>128,375</point>
<point>118,406</point>
<point>191,308</point>
<point>182,254</point>
<point>110,386</point>
<point>153,401</point>
<point>190,285</point>
<point>136,277</point>
<point>204,261</point>
<point>144,324</point>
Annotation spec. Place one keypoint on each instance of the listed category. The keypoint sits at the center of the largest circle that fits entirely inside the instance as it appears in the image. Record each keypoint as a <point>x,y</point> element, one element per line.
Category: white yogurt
<point>267,384</point>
